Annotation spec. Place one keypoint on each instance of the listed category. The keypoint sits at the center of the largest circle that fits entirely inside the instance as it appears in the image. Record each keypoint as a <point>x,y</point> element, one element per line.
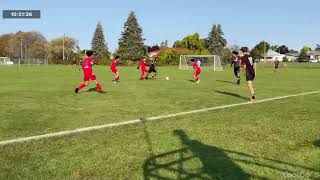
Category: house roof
<point>272,53</point>
<point>316,53</point>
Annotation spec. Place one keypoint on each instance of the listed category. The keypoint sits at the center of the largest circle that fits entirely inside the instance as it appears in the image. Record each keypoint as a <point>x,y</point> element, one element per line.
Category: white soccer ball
<point>167,78</point>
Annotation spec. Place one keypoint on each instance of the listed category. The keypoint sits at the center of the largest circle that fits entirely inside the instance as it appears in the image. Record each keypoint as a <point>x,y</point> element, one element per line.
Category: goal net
<point>5,61</point>
<point>208,61</point>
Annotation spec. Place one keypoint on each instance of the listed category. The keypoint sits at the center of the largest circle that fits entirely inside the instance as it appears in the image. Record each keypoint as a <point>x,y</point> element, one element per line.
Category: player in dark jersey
<point>249,66</point>
<point>152,69</point>
<point>236,63</point>
<point>276,67</point>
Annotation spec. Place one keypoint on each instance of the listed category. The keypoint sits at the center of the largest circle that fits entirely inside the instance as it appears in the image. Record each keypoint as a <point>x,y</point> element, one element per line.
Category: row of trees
<point>130,47</point>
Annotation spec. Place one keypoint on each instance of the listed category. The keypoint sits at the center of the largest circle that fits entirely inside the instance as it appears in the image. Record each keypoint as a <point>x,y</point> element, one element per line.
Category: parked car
<point>315,61</point>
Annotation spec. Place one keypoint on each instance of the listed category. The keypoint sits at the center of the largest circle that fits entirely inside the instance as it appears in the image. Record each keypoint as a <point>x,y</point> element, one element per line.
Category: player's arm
<point>255,68</point>
<point>232,63</point>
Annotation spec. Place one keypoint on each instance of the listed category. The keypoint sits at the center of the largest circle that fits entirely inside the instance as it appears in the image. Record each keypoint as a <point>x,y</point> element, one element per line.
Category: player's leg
<point>238,75</point>
<point>251,90</point>
<point>98,85</point>
<point>117,76</point>
<point>142,74</point>
<point>81,86</point>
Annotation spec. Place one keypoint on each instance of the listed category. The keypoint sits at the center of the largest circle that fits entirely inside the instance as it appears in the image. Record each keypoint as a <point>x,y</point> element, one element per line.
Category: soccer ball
<point>167,78</point>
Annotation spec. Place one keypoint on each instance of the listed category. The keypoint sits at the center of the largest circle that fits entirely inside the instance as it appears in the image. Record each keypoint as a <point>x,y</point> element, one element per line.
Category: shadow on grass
<point>191,80</point>
<point>216,163</point>
<point>233,94</point>
<point>226,81</point>
<point>316,143</point>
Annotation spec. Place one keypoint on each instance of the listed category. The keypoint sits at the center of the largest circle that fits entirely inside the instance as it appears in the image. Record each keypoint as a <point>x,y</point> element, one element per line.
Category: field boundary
<point>141,120</point>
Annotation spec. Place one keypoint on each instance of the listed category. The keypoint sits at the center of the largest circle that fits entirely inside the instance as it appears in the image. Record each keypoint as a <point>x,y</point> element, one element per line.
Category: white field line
<point>93,128</point>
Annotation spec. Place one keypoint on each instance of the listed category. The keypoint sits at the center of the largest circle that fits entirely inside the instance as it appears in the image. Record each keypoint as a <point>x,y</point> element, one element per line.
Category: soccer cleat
<point>198,81</point>
<point>76,90</point>
<point>238,82</point>
<point>253,101</point>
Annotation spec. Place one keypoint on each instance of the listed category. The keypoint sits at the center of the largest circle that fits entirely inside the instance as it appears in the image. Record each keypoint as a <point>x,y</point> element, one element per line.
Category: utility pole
<point>20,51</point>
<point>63,47</point>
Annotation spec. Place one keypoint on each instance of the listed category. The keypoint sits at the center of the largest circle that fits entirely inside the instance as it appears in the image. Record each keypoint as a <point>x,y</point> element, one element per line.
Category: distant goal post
<point>5,61</point>
<point>208,61</point>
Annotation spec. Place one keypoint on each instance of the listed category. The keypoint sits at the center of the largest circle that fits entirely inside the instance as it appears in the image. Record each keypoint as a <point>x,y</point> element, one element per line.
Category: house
<point>272,56</point>
<point>314,55</point>
<point>292,56</point>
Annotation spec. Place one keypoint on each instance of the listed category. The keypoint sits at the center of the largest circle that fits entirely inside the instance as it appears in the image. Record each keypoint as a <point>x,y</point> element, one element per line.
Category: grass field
<point>272,140</point>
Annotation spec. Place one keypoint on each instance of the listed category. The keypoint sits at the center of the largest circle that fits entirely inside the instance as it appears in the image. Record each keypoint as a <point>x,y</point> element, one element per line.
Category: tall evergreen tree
<point>99,46</point>
<point>131,43</point>
<point>216,42</point>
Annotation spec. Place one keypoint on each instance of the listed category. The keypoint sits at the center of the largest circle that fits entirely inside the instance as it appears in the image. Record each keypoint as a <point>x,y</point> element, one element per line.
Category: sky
<point>294,23</point>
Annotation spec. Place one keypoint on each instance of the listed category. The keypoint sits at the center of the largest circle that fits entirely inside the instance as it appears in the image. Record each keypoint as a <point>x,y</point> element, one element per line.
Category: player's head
<point>116,57</point>
<point>192,60</point>
<point>235,53</point>
<point>89,53</point>
<point>245,50</point>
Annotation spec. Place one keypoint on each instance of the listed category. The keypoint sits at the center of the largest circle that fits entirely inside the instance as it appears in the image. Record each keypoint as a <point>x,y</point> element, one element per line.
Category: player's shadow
<point>215,163</point>
<point>226,81</point>
<point>191,80</point>
<point>233,94</point>
<point>316,143</point>
<point>94,89</point>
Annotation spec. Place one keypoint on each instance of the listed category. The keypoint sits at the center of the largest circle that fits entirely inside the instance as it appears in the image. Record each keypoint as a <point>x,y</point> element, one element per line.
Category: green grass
<point>277,139</point>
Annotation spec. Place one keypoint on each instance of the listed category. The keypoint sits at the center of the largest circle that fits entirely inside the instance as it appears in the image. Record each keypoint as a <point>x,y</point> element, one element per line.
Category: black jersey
<point>248,61</point>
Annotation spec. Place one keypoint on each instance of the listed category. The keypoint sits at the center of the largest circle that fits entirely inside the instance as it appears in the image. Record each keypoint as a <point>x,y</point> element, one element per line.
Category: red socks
<point>99,87</point>
<point>117,78</point>
<point>82,86</point>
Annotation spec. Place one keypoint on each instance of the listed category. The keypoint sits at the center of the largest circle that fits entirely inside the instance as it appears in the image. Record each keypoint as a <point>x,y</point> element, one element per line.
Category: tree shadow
<point>316,143</point>
<point>233,94</point>
<point>215,163</point>
<point>226,81</point>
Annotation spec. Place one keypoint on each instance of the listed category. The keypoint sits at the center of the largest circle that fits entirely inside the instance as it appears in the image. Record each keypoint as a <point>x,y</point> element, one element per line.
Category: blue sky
<point>244,22</point>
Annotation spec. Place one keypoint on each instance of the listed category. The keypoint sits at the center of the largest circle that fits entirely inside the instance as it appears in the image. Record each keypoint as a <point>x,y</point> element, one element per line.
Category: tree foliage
<point>56,50</point>
<point>131,43</point>
<point>260,49</point>
<point>216,43</point>
<point>99,46</point>
<point>304,51</point>
<point>192,42</point>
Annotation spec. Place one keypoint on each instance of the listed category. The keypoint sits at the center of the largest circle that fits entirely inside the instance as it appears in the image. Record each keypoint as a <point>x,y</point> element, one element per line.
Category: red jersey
<point>195,66</point>
<point>87,63</point>
<point>114,64</point>
<point>143,63</point>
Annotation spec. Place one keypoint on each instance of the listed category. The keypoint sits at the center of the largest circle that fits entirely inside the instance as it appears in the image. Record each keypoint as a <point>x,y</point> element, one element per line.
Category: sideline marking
<point>136,121</point>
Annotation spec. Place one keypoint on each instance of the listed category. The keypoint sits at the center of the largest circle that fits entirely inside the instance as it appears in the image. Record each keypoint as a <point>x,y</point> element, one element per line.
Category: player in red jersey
<point>142,65</point>
<point>88,74</point>
<point>113,68</point>
<point>197,71</point>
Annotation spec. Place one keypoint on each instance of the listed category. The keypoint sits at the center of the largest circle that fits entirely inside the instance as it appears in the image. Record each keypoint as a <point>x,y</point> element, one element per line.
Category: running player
<point>88,74</point>
<point>236,63</point>
<point>152,69</point>
<point>142,67</point>
<point>113,68</point>
<point>249,66</point>
<point>197,71</point>
<point>276,67</point>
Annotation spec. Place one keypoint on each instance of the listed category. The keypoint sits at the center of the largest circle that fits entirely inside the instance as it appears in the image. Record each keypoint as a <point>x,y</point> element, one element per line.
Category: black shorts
<point>250,76</point>
<point>236,71</point>
<point>276,67</point>
<point>152,70</point>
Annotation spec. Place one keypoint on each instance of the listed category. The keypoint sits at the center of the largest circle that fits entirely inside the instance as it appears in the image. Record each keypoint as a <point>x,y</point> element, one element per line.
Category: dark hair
<point>244,49</point>
<point>89,53</point>
<point>117,57</point>
<point>235,53</point>
<point>192,60</point>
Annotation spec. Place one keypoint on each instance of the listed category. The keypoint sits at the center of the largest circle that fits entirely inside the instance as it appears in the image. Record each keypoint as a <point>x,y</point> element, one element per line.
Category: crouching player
<point>113,68</point>
<point>142,67</point>
<point>197,71</point>
<point>88,74</point>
